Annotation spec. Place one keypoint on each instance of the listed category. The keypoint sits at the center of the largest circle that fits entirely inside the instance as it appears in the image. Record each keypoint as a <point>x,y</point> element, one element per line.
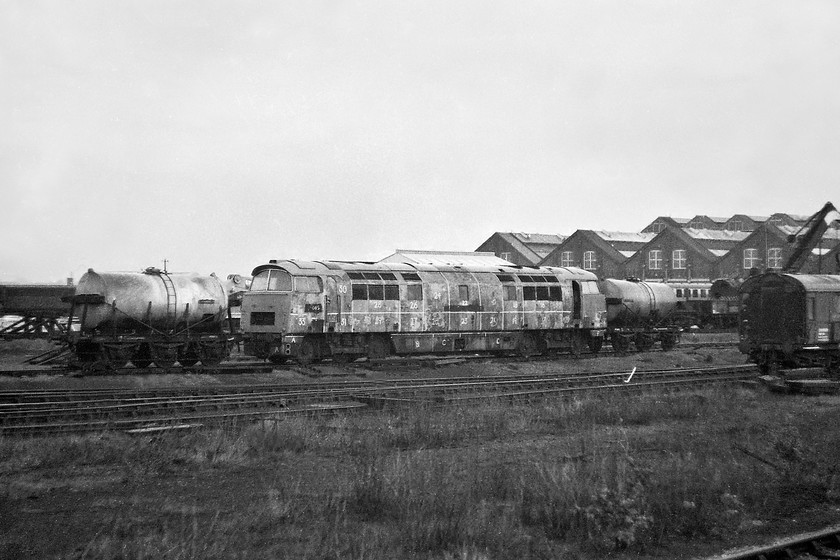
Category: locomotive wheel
<point>595,343</point>
<point>277,359</point>
<point>619,343</point>
<point>643,342</point>
<point>527,346</point>
<point>142,357</point>
<point>308,352</point>
<point>577,345</point>
<point>378,348</point>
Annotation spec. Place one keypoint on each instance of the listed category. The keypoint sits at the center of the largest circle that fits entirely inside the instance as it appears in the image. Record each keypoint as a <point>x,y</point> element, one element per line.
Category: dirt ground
<point>94,505</point>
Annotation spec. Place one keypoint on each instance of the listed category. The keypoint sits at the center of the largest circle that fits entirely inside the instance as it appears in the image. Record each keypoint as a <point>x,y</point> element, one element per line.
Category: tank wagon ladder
<point>171,298</point>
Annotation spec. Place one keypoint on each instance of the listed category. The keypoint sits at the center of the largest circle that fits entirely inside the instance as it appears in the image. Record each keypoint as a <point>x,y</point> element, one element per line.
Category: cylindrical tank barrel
<point>124,300</point>
<point>631,302</point>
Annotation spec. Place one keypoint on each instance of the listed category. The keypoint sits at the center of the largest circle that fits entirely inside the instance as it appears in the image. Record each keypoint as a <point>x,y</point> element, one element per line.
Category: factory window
<point>657,227</point>
<point>510,293</point>
<point>376,291</point>
<point>774,257</point>
<point>555,293</point>
<point>464,294</point>
<point>751,258</point>
<point>411,276</point>
<point>387,276</point>
<point>655,259</point>
<point>356,275</point>
<point>414,292</point>
<point>679,292</point>
<point>310,284</point>
<point>589,261</point>
<point>371,276</point>
<point>360,291</point>
<point>505,277</point>
<point>505,256</point>
<point>529,293</point>
<point>567,258</point>
<point>678,258</point>
<point>392,292</point>
<point>735,225</point>
<point>542,293</point>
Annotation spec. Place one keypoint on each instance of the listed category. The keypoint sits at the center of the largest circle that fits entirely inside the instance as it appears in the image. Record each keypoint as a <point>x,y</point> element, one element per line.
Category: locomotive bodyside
<point>149,316</point>
<point>790,319</point>
<point>308,310</point>
<point>641,312</point>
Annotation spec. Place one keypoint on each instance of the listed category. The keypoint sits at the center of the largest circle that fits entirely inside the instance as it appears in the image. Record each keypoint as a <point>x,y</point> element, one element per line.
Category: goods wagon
<point>790,319</point>
<point>640,312</point>
<point>149,317</point>
<point>723,295</point>
<point>38,309</point>
<point>312,310</point>
<point>694,307</point>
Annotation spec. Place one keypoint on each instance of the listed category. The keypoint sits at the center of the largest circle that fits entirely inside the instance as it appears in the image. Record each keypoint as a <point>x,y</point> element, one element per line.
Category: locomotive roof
<point>808,282</point>
<point>327,267</point>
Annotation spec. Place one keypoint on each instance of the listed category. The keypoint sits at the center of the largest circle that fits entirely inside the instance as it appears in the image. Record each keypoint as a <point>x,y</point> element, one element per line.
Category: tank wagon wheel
<point>595,343</point>
<point>117,357</point>
<point>527,346</point>
<point>188,355</point>
<point>619,342</point>
<point>142,357</point>
<point>668,341</point>
<point>308,352</point>
<point>378,348</point>
<point>164,355</point>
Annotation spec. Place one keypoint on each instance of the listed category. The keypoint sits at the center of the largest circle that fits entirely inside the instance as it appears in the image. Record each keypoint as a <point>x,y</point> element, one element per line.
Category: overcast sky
<point>219,135</point>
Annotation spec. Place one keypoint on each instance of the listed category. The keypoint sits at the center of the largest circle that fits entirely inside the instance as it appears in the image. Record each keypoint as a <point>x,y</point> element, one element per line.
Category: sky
<point>220,134</point>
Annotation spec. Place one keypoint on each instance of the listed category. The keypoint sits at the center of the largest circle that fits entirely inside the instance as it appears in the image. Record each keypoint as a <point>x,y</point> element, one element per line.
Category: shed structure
<point>524,249</point>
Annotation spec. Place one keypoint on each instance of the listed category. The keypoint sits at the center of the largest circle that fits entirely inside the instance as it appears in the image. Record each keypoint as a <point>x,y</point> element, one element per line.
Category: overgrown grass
<point>594,475</point>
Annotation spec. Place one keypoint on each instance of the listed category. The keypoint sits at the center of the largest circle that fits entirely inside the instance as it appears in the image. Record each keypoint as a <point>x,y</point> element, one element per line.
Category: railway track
<point>234,367</point>
<point>57,411</point>
<point>819,544</point>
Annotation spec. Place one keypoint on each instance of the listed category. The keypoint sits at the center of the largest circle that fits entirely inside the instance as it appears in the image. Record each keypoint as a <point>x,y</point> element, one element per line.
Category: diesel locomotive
<point>309,310</point>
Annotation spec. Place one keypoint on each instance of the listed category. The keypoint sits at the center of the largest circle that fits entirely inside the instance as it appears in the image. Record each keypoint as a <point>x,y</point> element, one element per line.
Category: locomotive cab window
<point>272,281</point>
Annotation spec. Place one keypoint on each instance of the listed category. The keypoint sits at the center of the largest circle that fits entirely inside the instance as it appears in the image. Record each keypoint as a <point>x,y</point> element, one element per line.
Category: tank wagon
<point>149,317</point>
<point>791,320</point>
<point>639,312</point>
<point>312,310</point>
